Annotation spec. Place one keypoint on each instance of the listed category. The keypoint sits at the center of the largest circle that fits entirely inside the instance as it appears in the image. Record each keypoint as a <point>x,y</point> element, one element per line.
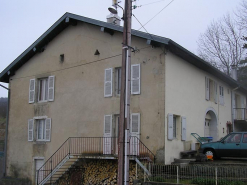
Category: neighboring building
<point>67,84</point>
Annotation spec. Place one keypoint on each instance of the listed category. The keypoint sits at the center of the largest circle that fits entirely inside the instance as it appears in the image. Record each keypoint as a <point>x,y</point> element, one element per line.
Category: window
<point>176,124</point>
<point>174,127</point>
<point>233,138</point>
<point>118,80</point>
<point>211,90</point>
<point>221,97</point>
<point>43,129</point>
<point>45,89</point>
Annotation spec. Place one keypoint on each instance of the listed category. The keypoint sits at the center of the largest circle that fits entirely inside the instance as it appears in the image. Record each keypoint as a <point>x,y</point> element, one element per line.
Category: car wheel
<point>210,154</point>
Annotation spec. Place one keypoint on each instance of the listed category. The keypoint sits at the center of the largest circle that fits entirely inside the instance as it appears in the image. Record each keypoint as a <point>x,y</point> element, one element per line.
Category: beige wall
<point>79,106</point>
<point>185,96</point>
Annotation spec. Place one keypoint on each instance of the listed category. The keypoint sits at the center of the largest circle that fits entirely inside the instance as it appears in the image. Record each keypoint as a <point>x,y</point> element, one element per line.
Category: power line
<point>156,14</point>
<point>151,3</point>
<point>76,65</point>
<point>143,27</point>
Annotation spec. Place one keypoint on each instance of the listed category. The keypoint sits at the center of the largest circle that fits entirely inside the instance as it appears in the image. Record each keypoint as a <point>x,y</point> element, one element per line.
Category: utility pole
<point>124,125</point>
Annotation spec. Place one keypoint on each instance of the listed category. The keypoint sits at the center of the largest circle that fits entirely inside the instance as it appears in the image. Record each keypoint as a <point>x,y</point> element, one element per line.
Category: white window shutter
<point>51,85</point>
<point>215,92</point>
<point>108,83</point>
<point>48,129</point>
<point>221,95</point>
<point>108,126</point>
<point>30,130</point>
<point>31,90</point>
<point>170,126</point>
<point>207,88</point>
<point>243,107</point>
<point>135,124</point>
<point>183,128</point>
<point>135,79</point>
<point>233,105</point>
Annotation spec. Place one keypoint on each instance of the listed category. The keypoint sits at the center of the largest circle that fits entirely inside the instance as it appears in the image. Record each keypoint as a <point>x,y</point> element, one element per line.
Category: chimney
<point>114,19</point>
<point>234,74</point>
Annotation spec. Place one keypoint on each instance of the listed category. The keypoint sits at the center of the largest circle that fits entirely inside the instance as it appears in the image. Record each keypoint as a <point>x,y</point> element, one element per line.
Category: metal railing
<point>196,174</point>
<point>91,146</point>
<point>240,113</point>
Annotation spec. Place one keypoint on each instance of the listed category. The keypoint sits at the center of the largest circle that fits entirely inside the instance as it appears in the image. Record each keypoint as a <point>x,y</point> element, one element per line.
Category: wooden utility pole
<point>124,125</point>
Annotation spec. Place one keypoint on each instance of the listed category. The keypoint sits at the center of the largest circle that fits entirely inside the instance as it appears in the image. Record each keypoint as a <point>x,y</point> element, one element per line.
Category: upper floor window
<point>45,89</point>
<point>118,80</point>
<point>43,129</point>
<point>211,90</point>
<point>221,97</point>
<point>135,80</point>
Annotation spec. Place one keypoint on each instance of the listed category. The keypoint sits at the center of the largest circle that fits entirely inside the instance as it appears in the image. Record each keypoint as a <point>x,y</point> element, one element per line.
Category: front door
<point>38,175</point>
<point>107,139</point>
<point>206,128</point>
<point>135,134</point>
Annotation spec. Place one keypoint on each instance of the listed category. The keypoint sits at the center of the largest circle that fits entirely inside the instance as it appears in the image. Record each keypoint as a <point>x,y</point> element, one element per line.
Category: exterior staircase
<point>77,148</point>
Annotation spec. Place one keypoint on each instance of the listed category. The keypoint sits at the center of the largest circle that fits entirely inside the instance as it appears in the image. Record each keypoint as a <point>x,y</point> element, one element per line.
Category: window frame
<point>45,90</point>
<point>118,81</point>
<point>37,122</point>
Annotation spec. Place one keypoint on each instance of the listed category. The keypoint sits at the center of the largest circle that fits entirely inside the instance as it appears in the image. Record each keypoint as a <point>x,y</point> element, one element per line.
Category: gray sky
<point>23,21</point>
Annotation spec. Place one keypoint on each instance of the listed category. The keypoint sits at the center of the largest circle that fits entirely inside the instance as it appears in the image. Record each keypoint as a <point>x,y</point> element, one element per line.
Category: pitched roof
<point>63,22</point>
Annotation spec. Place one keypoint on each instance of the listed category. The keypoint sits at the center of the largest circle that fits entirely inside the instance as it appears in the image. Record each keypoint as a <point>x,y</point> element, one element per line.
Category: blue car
<point>232,145</point>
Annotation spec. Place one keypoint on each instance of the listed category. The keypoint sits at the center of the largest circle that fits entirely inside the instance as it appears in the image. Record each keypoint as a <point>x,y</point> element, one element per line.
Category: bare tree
<point>222,44</point>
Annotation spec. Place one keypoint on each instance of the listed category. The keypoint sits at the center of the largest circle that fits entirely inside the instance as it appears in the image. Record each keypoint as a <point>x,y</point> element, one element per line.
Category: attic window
<point>97,52</point>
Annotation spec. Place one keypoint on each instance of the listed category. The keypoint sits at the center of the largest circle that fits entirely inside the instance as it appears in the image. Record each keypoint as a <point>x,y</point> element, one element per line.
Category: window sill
<point>41,142</point>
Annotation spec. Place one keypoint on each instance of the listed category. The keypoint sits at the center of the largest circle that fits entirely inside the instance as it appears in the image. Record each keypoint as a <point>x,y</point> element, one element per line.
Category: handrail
<point>91,146</point>
<point>240,113</point>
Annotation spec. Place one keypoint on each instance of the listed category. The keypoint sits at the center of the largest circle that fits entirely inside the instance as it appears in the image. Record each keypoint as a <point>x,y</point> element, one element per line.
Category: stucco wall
<point>79,106</point>
<point>185,96</point>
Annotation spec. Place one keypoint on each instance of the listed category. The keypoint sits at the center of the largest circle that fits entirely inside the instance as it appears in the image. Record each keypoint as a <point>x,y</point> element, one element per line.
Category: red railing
<point>91,146</point>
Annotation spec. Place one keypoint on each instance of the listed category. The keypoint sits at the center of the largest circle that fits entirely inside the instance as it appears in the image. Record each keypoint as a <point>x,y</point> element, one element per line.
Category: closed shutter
<point>107,140</point>
<point>222,96</point>
<point>135,124</point>
<point>108,82</point>
<point>108,126</point>
<point>135,79</point>
<point>234,105</point>
<point>207,88</point>
<point>170,126</point>
<point>215,92</point>
<point>48,129</point>
<point>183,128</point>
<point>30,130</point>
<point>243,107</point>
<point>31,90</point>
<point>51,84</point>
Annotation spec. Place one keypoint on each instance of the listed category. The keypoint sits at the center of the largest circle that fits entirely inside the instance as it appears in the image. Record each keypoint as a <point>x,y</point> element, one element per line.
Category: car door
<point>230,146</point>
<point>244,146</point>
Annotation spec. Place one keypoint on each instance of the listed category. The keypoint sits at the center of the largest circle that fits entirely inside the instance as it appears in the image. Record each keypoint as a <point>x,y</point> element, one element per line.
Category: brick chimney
<point>114,19</point>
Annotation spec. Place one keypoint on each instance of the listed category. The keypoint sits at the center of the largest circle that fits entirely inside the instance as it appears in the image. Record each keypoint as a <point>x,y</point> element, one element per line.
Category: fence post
<point>177,175</point>
<point>69,147</point>
<point>216,175</point>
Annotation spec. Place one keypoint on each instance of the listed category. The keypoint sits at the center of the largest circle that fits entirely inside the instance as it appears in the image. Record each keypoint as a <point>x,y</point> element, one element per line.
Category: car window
<point>245,138</point>
<point>234,138</point>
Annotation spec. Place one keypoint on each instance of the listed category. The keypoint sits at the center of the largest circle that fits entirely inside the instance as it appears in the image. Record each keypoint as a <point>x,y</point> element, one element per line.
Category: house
<point>64,99</point>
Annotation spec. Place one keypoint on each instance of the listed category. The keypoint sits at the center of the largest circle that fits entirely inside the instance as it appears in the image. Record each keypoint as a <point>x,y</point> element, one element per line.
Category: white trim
<point>40,117</point>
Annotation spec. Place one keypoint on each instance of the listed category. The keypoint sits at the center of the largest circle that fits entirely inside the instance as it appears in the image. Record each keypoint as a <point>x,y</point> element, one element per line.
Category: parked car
<point>232,145</point>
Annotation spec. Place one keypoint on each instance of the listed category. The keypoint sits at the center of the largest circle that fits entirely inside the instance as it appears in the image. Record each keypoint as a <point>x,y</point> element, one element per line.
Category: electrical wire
<point>143,27</point>
<point>156,14</point>
<point>75,65</point>
<point>151,3</point>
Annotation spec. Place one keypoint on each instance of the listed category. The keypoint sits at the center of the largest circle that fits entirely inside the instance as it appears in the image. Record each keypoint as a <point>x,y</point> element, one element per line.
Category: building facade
<point>67,84</point>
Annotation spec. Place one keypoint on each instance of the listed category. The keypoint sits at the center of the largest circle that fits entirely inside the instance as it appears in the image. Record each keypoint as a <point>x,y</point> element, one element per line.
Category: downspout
<point>6,132</point>
<point>233,126</point>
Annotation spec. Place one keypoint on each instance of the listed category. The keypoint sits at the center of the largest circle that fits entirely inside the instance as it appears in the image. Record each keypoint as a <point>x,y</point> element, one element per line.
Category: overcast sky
<point>23,21</point>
